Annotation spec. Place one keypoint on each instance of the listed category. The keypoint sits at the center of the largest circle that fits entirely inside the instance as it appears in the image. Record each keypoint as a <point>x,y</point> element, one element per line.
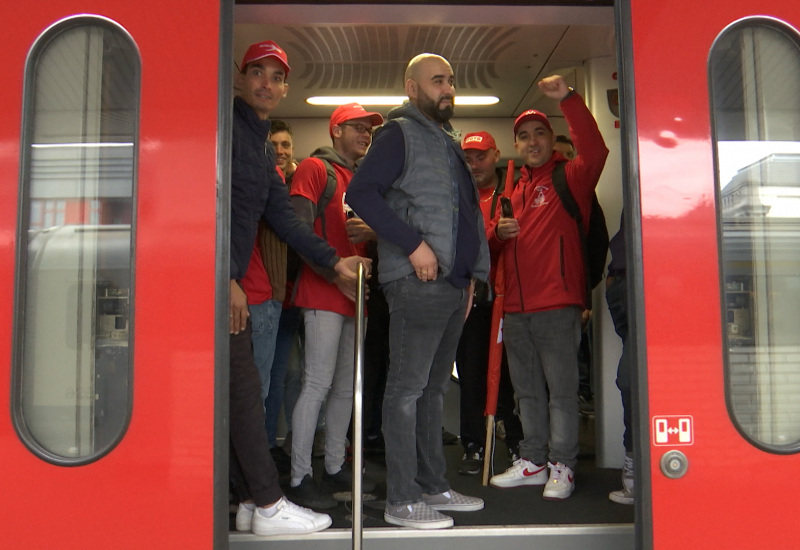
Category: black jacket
<point>257,191</point>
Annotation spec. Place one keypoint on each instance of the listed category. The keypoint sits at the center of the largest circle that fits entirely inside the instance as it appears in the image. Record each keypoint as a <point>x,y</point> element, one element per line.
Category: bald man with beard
<point>415,189</point>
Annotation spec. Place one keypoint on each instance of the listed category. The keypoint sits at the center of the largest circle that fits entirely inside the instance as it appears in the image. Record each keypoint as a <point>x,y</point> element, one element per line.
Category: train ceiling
<point>363,49</point>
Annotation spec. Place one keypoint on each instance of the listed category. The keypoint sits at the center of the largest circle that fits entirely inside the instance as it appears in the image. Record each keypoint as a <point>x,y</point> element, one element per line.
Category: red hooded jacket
<point>544,264</point>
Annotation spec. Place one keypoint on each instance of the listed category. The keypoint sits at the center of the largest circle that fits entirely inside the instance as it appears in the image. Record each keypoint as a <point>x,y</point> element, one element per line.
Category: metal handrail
<point>358,376</point>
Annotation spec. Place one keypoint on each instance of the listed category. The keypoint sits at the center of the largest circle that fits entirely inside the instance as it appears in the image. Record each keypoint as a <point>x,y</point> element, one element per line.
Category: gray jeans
<point>425,322</point>
<point>542,350</point>
<point>329,355</point>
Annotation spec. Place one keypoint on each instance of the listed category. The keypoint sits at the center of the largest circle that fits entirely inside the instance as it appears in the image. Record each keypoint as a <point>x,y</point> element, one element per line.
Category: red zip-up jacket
<point>544,265</point>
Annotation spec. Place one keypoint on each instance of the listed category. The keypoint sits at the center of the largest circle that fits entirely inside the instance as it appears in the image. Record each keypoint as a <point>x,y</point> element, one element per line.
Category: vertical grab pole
<point>358,375</point>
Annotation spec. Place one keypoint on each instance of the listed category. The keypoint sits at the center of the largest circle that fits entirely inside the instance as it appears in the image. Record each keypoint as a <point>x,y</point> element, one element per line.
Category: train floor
<point>521,506</point>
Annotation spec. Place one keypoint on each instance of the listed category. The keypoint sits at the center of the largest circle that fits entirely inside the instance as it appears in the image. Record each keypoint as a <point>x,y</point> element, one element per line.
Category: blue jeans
<point>542,350</point>
<point>287,332</point>
<point>330,355</point>
<point>264,317</point>
<point>617,299</point>
<point>425,324</point>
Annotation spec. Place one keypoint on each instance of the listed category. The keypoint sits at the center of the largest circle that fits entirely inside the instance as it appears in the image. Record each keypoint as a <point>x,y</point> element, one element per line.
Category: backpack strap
<point>328,156</point>
<point>327,195</point>
<point>574,211</point>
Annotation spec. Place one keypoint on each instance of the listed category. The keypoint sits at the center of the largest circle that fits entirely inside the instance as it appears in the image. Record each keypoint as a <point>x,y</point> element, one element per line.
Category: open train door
<point>108,273</point>
<point>712,120</point>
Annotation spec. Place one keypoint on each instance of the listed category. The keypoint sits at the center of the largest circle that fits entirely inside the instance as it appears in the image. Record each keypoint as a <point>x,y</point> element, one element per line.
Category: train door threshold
<point>549,537</point>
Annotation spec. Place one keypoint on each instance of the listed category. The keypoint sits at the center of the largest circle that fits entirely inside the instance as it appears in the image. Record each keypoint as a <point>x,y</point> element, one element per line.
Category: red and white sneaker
<point>561,482</point>
<point>522,472</point>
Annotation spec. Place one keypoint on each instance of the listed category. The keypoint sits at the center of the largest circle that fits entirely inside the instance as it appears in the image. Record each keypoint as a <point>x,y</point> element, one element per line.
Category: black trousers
<point>472,360</point>
<point>252,469</point>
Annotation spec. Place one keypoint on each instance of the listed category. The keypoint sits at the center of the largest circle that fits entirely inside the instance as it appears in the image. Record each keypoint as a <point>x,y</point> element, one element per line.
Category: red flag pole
<point>495,343</point>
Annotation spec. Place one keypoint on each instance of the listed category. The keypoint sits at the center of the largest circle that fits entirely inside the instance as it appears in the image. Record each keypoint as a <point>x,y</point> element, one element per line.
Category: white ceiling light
<point>388,100</point>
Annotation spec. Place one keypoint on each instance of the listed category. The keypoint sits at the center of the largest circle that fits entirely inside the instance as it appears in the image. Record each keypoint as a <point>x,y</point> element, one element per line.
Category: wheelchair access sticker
<point>673,430</point>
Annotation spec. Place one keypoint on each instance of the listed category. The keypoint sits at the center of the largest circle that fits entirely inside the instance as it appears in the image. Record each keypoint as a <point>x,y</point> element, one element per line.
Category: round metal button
<point>674,464</point>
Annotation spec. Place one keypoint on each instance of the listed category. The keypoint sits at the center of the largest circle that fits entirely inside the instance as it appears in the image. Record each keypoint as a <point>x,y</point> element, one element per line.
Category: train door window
<point>72,389</point>
<point>754,70</point>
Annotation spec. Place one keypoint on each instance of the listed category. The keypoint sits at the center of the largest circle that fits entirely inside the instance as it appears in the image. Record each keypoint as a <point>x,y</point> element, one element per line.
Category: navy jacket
<point>257,191</point>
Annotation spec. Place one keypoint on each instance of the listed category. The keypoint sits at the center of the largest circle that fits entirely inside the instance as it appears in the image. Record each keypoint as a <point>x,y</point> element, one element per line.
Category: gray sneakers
<point>425,514</point>
<point>417,515</point>
<point>453,502</point>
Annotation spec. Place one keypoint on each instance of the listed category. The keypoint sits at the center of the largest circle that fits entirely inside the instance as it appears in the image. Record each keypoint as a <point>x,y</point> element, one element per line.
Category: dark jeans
<point>251,467</point>
<point>376,360</point>
<point>425,324</point>
<point>617,299</point>
<point>472,360</point>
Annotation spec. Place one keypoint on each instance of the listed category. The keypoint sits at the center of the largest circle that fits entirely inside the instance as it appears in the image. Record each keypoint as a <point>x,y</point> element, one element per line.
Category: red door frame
<point>158,487</point>
<point>725,499</point>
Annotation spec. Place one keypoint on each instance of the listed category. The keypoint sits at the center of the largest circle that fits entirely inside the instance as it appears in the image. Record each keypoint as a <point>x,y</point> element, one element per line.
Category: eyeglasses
<point>360,128</point>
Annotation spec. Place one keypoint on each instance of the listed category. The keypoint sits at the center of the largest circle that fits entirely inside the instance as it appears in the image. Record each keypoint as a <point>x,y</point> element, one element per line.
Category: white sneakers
<point>289,519</point>
<point>557,486</point>
<point>625,495</point>
<point>561,482</point>
<point>522,472</point>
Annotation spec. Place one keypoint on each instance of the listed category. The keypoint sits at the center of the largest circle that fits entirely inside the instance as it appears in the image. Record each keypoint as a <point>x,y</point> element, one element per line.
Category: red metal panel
<point>154,490</point>
<point>733,495</point>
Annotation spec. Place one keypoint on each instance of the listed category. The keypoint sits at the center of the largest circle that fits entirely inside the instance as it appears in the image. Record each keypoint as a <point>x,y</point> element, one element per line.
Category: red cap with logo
<point>265,49</point>
<point>352,111</point>
<point>482,141</point>
<point>531,114</point>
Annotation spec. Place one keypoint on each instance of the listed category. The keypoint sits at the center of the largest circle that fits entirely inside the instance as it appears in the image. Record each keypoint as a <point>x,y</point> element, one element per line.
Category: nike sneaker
<point>561,482</point>
<point>522,472</point>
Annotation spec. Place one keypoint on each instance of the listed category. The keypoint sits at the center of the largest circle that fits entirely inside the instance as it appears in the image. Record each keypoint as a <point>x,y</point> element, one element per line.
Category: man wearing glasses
<point>328,310</point>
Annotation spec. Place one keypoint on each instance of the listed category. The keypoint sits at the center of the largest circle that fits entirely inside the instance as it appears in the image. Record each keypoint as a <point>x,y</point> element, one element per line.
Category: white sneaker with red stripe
<point>561,482</point>
<point>522,472</point>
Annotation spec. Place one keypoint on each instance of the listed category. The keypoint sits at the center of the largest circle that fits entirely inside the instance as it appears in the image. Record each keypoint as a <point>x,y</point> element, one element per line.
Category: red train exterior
<point>164,484</point>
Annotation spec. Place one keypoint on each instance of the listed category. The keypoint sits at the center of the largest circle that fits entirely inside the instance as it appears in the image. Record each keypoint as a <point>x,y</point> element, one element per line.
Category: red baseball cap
<point>483,141</point>
<point>262,50</point>
<point>531,114</point>
<point>352,111</point>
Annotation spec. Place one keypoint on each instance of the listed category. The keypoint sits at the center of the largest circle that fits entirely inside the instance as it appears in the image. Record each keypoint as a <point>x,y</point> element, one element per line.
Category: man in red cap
<point>545,290</point>
<point>472,356</point>
<point>258,193</point>
<point>328,311</point>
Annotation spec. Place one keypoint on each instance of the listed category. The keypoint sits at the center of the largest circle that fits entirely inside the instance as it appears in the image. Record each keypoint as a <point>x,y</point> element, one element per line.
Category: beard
<point>430,108</point>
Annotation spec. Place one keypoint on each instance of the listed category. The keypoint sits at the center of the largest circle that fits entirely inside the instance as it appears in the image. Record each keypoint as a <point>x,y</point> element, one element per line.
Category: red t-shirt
<point>256,281</point>
<point>309,181</point>
<point>486,201</point>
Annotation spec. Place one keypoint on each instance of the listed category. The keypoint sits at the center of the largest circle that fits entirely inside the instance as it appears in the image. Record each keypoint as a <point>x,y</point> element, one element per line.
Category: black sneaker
<point>448,438</point>
<point>342,481</point>
<point>472,462</point>
<point>311,495</point>
<point>283,462</point>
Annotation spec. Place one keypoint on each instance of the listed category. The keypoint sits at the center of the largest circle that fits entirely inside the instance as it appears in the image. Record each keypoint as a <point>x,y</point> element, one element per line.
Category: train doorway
<point>341,50</point>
